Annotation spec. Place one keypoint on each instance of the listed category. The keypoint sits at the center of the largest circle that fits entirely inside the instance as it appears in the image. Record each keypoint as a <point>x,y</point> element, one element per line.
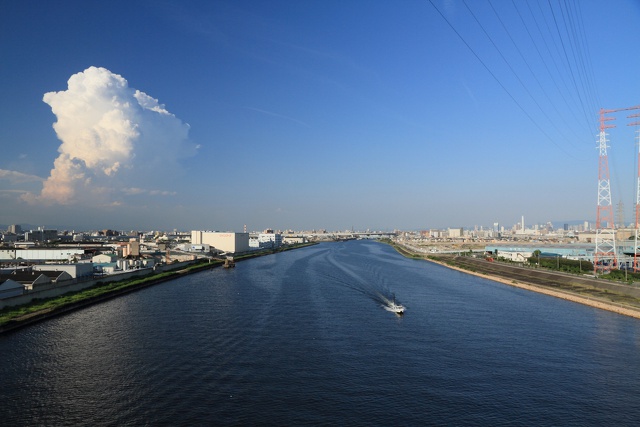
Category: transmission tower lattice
<point>604,257</point>
<point>636,267</point>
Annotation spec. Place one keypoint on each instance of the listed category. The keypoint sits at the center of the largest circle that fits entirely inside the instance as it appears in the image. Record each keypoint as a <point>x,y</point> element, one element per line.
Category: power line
<point>497,80</point>
<point>564,49</point>
<point>585,56</point>
<point>577,55</point>
<point>587,123</point>
<point>526,63</point>
<point>544,62</point>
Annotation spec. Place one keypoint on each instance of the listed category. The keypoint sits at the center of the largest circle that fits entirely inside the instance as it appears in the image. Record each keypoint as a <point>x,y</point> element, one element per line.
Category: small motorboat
<point>394,307</point>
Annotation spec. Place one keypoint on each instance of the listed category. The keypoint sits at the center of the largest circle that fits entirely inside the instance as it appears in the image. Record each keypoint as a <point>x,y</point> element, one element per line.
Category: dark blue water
<point>297,339</point>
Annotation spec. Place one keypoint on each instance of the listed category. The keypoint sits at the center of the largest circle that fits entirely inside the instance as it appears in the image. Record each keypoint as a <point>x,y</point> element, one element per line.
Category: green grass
<point>9,314</point>
<point>39,306</point>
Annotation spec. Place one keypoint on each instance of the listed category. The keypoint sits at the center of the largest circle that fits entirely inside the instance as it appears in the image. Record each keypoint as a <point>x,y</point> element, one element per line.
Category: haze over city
<point>371,115</point>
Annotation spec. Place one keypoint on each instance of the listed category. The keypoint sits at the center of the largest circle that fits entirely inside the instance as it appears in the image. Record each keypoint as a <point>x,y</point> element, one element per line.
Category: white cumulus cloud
<point>114,139</point>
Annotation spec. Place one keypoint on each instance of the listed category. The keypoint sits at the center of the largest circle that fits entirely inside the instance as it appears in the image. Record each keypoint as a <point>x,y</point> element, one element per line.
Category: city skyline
<point>427,114</point>
<point>576,225</point>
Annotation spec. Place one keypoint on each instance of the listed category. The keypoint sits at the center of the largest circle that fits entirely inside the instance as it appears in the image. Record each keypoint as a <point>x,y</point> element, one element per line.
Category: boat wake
<point>379,294</point>
<point>392,305</point>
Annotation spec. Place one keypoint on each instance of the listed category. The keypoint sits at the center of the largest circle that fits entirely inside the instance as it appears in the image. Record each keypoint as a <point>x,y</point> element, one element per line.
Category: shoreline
<point>565,295</point>
<point>38,316</point>
<point>625,311</point>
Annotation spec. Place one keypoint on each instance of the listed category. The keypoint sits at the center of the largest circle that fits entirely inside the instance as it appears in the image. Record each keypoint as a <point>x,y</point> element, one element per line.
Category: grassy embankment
<point>537,279</point>
<point>102,291</point>
<point>93,294</point>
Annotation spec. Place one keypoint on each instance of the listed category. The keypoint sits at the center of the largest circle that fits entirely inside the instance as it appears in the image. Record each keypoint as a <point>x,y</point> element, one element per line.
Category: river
<point>298,338</point>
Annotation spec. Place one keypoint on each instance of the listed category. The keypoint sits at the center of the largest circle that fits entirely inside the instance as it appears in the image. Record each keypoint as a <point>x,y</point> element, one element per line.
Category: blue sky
<point>313,114</point>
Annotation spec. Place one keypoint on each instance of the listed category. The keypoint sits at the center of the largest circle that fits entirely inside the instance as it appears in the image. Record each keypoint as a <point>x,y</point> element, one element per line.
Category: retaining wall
<point>51,291</point>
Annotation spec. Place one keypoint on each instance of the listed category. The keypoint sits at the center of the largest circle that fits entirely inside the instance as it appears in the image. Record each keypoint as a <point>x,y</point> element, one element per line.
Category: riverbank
<point>566,295</point>
<point>14,318</point>
<point>629,306</point>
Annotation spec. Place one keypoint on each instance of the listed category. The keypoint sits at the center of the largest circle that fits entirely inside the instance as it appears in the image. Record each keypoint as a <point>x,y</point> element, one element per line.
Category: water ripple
<point>274,342</point>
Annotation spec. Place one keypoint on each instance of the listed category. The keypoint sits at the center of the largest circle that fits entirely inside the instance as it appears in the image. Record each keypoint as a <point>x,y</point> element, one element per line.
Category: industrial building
<point>81,270</point>
<point>41,235</point>
<point>10,288</point>
<point>269,239</point>
<point>49,254</point>
<point>225,242</point>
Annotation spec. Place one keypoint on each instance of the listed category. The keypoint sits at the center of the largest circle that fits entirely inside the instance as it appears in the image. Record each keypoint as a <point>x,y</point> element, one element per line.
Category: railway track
<point>546,279</point>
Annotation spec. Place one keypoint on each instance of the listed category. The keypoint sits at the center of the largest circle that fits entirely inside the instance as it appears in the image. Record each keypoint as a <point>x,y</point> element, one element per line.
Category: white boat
<point>394,307</point>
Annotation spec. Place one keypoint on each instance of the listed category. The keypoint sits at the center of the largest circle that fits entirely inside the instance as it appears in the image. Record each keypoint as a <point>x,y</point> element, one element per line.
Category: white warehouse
<point>225,242</point>
<point>41,254</point>
<point>269,239</point>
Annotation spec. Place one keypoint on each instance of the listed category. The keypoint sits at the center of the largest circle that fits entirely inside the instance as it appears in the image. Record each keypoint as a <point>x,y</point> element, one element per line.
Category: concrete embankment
<point>53,290</point>
<point>63,308</point>
<point>40,315</point>
<point>598,293</point>
<point>563,294</point>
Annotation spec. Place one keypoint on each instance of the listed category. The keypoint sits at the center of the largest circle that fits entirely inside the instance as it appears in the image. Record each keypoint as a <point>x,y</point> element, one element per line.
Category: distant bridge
<point>347,235</point>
